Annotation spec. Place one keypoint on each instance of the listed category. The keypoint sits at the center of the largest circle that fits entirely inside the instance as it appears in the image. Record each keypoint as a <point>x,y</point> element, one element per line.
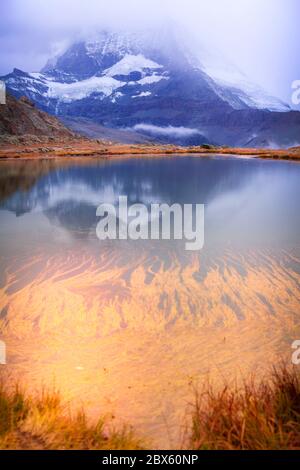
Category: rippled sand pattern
<point>130,335</point>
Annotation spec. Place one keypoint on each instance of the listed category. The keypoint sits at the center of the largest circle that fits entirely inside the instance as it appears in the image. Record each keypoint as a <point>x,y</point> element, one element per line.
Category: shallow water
<point>129,328</point>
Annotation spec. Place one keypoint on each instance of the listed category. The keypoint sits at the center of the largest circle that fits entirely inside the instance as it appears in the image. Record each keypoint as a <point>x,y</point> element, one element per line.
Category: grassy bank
<point>42,423</point>
<point>264,416</point>
<point>94,148</point>
<point>261,416</point>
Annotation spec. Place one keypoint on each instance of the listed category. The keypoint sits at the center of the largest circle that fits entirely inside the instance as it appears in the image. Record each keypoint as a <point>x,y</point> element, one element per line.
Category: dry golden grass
<point>255,417</point>
<point>94,148</point>
<point>264,416</point>
<point>41,423</point>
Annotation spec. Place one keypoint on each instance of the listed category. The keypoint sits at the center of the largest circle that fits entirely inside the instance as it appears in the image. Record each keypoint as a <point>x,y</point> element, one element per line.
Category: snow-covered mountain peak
<point>157,77</point>
<point>87,67</point>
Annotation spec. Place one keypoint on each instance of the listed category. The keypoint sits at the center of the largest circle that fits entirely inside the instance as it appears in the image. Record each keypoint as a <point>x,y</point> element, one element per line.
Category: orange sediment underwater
<point>132,335</point>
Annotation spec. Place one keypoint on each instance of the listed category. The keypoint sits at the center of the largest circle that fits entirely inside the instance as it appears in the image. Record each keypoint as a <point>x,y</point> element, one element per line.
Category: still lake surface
<point>129,328</point>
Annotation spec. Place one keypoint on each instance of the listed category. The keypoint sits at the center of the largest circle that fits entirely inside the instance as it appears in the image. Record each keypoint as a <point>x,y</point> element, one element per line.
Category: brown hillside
<point>21,117</point>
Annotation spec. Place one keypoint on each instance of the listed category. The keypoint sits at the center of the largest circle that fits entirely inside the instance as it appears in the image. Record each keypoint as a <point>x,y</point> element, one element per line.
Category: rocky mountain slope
<point>20,117</point>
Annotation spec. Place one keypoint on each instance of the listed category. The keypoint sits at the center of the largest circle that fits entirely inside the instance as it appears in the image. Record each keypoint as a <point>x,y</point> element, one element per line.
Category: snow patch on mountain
<point>116,96</point>
<point>105,85</point>
<point>131,63</point>
<point>37,76</point>
<point>143,94</point>
<point>68,92</point>
<point>152,79</point>
<point>230,78</point>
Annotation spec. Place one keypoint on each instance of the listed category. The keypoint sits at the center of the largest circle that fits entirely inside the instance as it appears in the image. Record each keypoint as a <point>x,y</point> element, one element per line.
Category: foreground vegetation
<point>255,417</point>
<point>260,416</point>
<point>42,423</point>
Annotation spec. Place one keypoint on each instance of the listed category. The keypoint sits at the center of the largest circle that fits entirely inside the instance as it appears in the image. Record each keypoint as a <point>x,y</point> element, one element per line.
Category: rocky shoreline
<point>41,148</point>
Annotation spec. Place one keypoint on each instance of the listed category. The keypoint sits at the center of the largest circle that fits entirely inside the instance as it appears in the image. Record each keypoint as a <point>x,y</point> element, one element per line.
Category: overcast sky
<point>261,37</point>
